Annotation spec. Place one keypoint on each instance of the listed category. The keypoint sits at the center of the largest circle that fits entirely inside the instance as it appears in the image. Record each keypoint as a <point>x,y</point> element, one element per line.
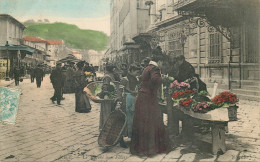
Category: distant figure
<point>32,74</point>
<point>39,75</point>
<point>69,81</point>
<point>57,83</point>
<point>16,75</point>
<point>124,70</point>
<point>22,71</point>
<point>82,101</point>
<point>93,72</point>
<point>87,67</point>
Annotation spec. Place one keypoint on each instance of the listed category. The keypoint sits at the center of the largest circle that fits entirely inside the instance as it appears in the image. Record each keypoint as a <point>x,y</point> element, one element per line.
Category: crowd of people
<point>138,100</point>
<point>72,78</point>
<point>37,73</point>
<point>141,83</point>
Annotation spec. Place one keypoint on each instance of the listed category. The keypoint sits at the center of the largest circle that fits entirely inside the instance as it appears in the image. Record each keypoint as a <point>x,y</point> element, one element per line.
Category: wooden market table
<point>216,119</point>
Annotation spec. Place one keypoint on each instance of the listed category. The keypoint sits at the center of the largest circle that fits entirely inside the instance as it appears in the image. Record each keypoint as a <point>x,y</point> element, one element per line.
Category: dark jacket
<point>186,71</point>
<point>38,72</point>
<point>16,73</point>
<point>57,79</point>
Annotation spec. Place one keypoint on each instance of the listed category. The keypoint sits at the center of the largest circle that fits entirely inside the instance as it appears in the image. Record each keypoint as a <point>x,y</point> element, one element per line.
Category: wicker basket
<point>90,88</point>
<point>112,129</point>
<point>232,112</point>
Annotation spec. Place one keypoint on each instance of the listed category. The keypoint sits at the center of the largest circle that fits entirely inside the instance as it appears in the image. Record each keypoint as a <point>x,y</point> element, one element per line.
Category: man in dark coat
<point>16,75</point>
<point>187,71</point>
<point>32,74</point>
<point>39,75</point>
<point>57,83</point>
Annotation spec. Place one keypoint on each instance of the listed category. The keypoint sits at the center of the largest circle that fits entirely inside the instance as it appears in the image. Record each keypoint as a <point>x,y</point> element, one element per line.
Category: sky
<point>86,14</point>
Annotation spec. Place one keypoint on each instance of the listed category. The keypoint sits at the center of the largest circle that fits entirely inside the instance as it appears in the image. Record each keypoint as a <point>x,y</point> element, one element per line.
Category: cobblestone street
<point>47,132</point>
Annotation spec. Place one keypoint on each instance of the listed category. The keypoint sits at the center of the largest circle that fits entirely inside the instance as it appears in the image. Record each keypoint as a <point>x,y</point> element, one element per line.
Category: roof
<point>12,19</point>
<point>54,42</point>
<point>33,39</point>
<point>74,53</point>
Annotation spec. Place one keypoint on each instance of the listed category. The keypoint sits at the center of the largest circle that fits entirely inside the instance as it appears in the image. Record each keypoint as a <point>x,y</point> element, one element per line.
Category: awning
<point>68,58</point>
<point>226,13</point>
<point>24,48</point>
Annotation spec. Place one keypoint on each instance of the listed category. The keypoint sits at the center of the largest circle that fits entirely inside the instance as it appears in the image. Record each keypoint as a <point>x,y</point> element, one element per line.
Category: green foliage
<point>70,34</point>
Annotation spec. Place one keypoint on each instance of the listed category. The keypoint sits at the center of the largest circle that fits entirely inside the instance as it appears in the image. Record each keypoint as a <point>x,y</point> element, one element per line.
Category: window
<point>175,47</point>
<point>252,43</point>
<point>215,49</point>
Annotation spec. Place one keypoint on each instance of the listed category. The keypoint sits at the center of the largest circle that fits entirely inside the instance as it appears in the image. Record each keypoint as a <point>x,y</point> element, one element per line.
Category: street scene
<point>129,80</point>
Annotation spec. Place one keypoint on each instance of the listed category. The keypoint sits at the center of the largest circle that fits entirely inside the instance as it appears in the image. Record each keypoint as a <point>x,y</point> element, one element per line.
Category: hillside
<point>71,34</point>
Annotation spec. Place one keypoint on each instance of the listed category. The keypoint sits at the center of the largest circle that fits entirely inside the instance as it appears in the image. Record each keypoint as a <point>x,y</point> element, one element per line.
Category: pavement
<point>49,132</point>
<point>4,83</point>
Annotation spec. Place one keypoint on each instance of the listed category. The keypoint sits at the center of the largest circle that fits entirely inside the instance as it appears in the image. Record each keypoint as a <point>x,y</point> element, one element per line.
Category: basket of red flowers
<point>227,99</point>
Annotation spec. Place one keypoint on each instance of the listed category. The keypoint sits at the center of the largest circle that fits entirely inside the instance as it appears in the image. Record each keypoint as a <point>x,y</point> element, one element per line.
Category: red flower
<point>225,97</point>
<point>182,94</point>
<point>186,102</point>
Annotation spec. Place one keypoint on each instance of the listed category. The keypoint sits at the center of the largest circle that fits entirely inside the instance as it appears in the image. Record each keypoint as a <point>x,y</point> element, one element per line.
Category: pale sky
<point>86,14</point>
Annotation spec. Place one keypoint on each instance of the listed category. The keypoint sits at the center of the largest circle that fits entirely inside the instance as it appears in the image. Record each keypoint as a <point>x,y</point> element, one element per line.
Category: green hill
<point>71,34</point>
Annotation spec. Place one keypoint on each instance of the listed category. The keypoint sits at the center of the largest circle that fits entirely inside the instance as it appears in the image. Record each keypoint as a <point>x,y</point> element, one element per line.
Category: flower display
<point>202,107</point>
<point>186,102</point>
<point>179,86</point>
<point>182,94</point>
<point>225,97</point>
<point>88,74</point>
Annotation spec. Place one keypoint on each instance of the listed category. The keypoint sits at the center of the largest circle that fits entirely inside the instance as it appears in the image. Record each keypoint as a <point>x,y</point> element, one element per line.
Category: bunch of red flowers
<point>225,97</point>
<point>186,102</point>
<point>182,94</point>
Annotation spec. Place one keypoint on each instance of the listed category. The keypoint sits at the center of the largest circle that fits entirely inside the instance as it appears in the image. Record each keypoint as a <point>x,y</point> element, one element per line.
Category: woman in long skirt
<point>82,101</point>
<point>149,135</point>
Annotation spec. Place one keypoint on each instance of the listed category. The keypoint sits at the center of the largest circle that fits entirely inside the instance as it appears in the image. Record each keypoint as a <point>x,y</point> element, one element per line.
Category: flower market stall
<point>196,109</point>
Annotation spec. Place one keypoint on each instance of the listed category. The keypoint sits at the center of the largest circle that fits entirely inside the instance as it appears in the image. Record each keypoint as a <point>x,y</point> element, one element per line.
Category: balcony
<point>177,4</point>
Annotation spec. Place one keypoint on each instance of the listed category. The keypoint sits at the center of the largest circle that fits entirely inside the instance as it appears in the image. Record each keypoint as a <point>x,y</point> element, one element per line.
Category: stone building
<point>219,38</point>
<point>128,18</point>
<point>11,48</point>
<point>40,54</point>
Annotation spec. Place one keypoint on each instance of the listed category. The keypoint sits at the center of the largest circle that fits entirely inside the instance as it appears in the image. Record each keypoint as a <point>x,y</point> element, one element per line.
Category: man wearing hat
<point>38,75</point>
<point>57,83</point>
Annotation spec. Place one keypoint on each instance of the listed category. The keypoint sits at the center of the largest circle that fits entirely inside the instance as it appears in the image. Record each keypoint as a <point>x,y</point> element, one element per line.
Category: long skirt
<point>149,135</point>
<point>68,87</point>
<point>82,102</point>
<point>130,107</point>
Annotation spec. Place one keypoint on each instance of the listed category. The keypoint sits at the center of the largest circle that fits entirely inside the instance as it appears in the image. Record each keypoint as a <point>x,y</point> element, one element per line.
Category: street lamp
<point>7,64</point>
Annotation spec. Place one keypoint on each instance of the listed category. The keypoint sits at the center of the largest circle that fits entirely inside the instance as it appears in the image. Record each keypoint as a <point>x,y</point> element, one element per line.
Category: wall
<point>3,31</point>
<point>14,33</point>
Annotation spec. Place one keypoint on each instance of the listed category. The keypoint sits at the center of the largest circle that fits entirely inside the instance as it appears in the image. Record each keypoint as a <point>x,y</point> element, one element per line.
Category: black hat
<point>80,64</point>
<point>71,63</point>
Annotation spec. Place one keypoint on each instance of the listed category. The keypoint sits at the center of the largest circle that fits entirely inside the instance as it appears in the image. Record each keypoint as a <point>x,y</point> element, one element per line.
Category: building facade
<point>128,18</point>
<point>11,48</point>
<point>219,38</point>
